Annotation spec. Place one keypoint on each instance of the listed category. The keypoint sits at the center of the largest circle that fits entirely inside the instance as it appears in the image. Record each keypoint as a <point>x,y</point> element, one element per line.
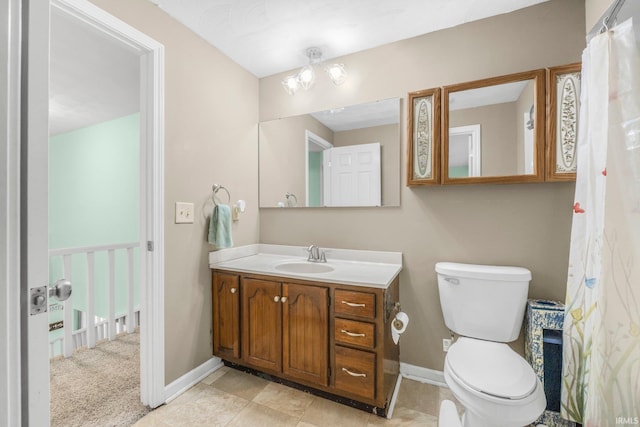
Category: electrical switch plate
<point>184,213</point>
<point>446,343</point>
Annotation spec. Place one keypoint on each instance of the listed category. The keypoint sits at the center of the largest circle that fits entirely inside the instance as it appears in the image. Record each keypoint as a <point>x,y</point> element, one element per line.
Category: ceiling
<point>267,37</point>
<point>95,79</point>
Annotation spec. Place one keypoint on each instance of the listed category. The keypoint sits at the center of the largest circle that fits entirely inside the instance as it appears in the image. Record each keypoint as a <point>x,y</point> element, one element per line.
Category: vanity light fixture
<point>306,77</point>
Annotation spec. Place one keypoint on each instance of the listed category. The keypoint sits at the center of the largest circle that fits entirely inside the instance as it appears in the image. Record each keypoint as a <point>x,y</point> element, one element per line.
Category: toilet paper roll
<point>399,325</point>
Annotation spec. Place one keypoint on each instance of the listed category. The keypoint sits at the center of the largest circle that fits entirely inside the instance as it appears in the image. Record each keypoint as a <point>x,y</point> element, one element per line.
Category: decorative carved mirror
<point>494,130</point>
<point>563,111</point>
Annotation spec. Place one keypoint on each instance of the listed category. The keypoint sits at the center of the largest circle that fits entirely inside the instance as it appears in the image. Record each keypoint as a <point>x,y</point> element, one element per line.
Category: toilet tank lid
<point>487,272</point>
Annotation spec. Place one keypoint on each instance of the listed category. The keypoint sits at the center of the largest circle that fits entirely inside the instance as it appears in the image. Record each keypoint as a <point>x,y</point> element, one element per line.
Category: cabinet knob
<point>276,298</point>
<point>283,300</point>
<point>233,290</point>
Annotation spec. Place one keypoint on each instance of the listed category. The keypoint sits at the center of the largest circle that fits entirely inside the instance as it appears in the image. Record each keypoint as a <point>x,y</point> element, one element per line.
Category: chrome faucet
<point>315,254</point>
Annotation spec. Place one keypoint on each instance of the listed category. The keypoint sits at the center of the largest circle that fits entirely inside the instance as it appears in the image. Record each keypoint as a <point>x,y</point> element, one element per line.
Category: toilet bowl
<point>496,386</point>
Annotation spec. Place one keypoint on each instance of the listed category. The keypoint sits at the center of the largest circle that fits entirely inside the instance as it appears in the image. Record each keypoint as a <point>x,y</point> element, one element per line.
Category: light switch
<point>184,213</point>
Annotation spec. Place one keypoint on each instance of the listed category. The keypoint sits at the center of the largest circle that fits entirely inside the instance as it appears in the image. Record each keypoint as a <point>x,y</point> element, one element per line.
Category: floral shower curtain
<point>601,360</point>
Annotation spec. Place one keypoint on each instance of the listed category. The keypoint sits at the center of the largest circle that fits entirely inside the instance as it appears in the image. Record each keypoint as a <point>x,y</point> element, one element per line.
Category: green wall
<point>315,176</point>
<point>94,200</point>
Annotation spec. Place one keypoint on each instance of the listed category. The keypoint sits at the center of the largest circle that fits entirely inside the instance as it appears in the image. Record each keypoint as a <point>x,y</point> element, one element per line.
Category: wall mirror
<point>493,130</point>
<point>342,157</point>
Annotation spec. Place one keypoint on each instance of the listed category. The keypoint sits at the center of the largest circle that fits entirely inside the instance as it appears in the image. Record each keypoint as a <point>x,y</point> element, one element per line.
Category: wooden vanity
<point>329,338</point>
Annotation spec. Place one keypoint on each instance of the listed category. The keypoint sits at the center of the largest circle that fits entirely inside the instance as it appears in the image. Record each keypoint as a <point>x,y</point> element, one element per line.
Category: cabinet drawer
<point>355,372</point>
<point>355,303</point>
<point>354,332</point>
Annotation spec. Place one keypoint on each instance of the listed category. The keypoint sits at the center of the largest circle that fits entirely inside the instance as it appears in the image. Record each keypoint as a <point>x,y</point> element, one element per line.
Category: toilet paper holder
<point>391,308</point>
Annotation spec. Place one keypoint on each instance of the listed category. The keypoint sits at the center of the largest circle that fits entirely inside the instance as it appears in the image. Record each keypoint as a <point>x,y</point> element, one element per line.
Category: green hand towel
<point>220,227</point>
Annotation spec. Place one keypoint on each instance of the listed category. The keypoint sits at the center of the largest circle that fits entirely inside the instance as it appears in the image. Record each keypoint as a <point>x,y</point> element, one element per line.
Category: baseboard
<point>424,375</point>
<point>191,378</point>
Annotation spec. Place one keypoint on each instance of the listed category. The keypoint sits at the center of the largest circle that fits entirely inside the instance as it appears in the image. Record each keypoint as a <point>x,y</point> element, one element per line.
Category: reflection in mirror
<point>341,157</point>
<point>495,130</point>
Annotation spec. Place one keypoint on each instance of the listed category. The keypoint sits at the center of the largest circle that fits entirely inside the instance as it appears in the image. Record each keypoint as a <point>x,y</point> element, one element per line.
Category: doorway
<point>33,185</point>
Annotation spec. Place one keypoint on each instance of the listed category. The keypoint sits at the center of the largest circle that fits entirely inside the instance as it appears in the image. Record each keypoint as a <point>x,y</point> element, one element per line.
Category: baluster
<point>67,305</point>
<point>112,295</point>
<point>130,322</point>
<point>91,319</point>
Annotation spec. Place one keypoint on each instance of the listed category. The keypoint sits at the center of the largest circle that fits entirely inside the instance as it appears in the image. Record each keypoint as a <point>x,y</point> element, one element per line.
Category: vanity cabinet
<point>324,337</point>
<point>226,315</point>
<point>285,329</point>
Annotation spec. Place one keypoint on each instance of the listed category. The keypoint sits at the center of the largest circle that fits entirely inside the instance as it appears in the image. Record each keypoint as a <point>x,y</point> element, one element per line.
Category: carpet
<point>98,387</point>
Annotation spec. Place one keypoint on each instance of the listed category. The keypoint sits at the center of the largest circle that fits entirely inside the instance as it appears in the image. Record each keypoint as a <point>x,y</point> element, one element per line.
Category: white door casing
<point>312,141</point>
<point>151,188</point>
<point>10,50</point>
<point>472,152</point>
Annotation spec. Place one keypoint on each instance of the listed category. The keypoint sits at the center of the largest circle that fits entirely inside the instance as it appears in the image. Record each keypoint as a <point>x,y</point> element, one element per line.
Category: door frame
<point>151,188</point>
<point>475,146</point>
<point>311,138</point>
<point>10,363</point>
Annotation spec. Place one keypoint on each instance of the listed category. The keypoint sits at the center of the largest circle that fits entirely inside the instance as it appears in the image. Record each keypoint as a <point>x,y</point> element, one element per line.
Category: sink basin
<point>304,267</point>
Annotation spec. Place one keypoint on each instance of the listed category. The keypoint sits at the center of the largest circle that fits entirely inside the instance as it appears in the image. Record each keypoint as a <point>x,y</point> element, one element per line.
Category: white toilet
<point>485,305</point>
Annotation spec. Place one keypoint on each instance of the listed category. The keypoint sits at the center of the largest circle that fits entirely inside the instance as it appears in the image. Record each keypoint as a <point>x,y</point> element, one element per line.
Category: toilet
<point>485,306</point>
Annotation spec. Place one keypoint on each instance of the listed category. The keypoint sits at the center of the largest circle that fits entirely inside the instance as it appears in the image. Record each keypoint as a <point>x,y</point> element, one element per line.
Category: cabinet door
<point>226,315</point>
<point>262,324</point>
<point>305,332</point>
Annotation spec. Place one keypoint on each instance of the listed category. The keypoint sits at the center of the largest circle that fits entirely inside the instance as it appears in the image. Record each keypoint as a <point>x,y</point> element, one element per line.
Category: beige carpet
<point>98,387</point>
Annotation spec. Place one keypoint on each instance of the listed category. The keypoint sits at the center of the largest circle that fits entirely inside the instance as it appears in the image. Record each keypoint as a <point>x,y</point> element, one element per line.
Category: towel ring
<point>216,188</point>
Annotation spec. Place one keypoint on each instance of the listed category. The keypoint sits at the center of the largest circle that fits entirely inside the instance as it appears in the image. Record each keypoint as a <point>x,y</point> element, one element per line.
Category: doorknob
<point>61,290</point>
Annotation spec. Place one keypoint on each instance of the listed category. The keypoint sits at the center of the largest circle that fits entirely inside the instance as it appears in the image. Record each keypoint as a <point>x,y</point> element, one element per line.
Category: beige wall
<point>388,136</point>
<point>522,224</point>
<point>498,135</point>
<point>282,157</point>
<point>211,115</point>
<point>594,9</point>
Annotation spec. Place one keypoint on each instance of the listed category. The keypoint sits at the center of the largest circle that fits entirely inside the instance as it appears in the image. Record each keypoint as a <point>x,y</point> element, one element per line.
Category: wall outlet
<point>184,213</point>
<point>446,343</point>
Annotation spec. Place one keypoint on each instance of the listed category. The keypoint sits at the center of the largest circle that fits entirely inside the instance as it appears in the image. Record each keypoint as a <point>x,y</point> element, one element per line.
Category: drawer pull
<point>233,290</point>
<point>353,374</point>
<point>352,334</point>
<point>353,304</point>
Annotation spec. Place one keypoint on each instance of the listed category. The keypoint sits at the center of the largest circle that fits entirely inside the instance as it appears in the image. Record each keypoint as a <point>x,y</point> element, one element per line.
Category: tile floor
<point>232,398</point>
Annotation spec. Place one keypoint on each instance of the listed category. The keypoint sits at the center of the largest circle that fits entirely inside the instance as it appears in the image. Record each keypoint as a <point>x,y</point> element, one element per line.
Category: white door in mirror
<point>354,175</point>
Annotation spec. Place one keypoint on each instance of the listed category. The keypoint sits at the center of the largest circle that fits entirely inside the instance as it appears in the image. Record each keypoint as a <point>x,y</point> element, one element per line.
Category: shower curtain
<point>601,353</point>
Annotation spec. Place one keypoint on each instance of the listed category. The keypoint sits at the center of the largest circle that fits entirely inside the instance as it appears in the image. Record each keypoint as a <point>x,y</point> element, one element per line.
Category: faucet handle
<point>323,257</point>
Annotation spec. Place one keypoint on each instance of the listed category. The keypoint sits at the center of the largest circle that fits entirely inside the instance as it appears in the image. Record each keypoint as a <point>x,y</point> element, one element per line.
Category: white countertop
<point>364,268</point>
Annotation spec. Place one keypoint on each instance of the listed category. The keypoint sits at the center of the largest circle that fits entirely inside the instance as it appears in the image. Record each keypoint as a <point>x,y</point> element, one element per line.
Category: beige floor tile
<point>404,417</point>
<point>261,416</point>
<point>150,420</point>
<point>240,384</point>
<point>422,397</point>
<point>205,406</point>
<point>215,375</point>
<point>284,399</point>
<point>325,413</point>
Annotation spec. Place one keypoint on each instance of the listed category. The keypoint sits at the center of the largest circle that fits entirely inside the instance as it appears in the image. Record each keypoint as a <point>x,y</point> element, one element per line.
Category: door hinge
<point>150,245</point>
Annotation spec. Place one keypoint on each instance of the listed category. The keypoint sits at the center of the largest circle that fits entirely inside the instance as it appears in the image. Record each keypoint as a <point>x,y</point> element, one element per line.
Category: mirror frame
<point>538,76</point>
<point>412,148</point>
<point>554,74</point>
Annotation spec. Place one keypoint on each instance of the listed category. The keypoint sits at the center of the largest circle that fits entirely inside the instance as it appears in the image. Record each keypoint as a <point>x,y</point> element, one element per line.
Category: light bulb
<point>290,84</point>
<point>337,73</point>
<point>306,77</point>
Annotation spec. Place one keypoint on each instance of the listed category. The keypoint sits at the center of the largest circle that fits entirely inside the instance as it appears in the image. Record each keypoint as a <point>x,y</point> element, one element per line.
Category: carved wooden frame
<point>563,110</point>
<point>423,145</point>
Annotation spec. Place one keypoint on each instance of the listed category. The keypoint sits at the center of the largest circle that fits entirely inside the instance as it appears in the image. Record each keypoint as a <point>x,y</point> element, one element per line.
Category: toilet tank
<point>483,301</point>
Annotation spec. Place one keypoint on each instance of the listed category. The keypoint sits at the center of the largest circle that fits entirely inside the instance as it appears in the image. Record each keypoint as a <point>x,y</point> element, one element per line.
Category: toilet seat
<point>491,368</point>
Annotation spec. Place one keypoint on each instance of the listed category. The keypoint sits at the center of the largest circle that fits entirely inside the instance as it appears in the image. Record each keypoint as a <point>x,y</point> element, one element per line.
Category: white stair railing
<point>93,327</point>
